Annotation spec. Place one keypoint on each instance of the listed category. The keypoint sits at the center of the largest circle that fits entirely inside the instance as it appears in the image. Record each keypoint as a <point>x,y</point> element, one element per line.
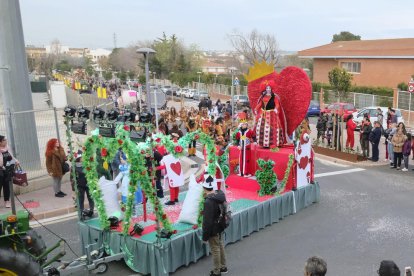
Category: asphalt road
<point>362,218</point>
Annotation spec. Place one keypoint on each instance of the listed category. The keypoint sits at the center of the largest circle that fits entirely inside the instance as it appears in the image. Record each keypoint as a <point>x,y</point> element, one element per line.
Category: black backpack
<point>225,216</point>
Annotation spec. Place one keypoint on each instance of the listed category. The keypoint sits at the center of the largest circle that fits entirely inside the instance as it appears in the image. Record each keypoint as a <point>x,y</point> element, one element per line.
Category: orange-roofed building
<point>381,62</point>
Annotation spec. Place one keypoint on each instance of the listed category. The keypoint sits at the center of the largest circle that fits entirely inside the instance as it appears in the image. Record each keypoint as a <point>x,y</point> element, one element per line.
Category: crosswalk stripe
<point>339,172</point>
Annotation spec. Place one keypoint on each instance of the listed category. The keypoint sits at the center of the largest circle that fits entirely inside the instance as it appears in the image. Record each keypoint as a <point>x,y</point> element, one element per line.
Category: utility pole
<point>15,86</point>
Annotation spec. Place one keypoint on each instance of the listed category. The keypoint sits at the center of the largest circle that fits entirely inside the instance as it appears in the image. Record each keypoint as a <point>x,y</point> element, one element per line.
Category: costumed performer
<point>174,175</point>
<point>244,138</point>
<point>191,126</point>
<point>271,120</point>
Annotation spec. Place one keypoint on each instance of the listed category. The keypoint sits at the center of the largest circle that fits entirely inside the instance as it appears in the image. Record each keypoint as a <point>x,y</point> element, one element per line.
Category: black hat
<point>388,267</point>
<point>78,154</point>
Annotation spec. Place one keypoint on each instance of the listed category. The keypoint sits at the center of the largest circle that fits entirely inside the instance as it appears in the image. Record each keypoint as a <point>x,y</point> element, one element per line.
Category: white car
<point>190,93</point>
<point>373,112</point>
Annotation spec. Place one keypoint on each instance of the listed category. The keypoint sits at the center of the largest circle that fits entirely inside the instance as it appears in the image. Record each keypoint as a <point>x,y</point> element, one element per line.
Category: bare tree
<point>255,46</point>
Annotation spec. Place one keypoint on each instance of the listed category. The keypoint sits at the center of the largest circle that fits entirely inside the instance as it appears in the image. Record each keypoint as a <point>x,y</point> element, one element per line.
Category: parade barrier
<point>251,213</point>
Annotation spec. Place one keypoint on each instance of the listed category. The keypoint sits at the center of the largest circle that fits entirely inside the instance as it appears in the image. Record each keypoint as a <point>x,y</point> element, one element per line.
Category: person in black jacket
<point>83,188</point>
<point>211,232</point>
<point>365,132</point>
<point>374,138</point>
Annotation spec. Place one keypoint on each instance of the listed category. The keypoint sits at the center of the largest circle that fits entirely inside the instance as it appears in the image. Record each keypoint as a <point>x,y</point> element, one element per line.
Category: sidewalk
<point>44,205</point>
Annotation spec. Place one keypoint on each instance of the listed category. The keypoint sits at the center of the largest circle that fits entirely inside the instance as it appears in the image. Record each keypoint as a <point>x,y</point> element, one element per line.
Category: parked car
<point>241,101</point>
<point>344,109</point>
<point>314,109</point>
<point>198,95</point>
<point>166,88</point>
<point>373,114</point>
<point>190,93</point>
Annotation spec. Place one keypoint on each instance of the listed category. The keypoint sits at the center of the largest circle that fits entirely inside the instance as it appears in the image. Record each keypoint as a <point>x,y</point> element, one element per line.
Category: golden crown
<point>258,70</point>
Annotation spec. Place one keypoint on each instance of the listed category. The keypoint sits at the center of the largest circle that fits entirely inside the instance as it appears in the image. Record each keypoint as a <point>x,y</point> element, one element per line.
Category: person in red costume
<point>244,138</point>
<point>350,128</point>
<point>271,120</point>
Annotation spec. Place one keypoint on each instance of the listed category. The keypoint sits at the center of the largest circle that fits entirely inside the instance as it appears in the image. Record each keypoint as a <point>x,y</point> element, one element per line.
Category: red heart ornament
<point>176,167</point>
<point>295,91</point>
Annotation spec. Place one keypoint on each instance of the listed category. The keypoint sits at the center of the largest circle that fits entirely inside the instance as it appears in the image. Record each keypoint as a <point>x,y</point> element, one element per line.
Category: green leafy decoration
<point>266,177</point>
<point>286,176</point>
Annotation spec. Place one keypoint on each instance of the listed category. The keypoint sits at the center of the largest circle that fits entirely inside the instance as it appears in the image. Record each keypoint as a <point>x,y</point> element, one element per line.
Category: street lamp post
<point>199,80</point>
<point>232,70</point>
<point>146,52</point>
<point>156,103</point>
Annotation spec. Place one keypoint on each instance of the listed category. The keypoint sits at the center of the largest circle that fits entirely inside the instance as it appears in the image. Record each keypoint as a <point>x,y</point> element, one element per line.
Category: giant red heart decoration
<point>176,167</point>
<point>295,91</point>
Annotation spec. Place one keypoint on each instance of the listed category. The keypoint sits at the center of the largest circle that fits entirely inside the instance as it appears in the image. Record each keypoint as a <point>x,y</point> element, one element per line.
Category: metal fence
<point>358,99</point>
<point>47,127</point>
<point>405,102</point>
<point>86,100</point>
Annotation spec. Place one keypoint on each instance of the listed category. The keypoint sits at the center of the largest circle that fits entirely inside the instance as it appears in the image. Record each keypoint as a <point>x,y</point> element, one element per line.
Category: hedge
<point>380,91</point>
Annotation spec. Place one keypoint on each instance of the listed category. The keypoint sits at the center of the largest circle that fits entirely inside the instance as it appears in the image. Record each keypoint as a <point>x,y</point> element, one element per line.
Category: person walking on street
<point>6,158</point>
<point>398,141</point>
<point>375,138</point>
<point>55,158</point>
<point>406,152</point>
<point>211,228</point>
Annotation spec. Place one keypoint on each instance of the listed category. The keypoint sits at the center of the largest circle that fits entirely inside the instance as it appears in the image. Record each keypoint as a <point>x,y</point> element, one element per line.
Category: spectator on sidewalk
<point>82,185</point>
<point>350,128</point>
<point>315,266</point>
<point>388,268</point>
<point>380,116</point>
<point>55,157</point>
<point>391,132</point>
<point>365,131</point>
<point>211,234</point>
<point>321,127</point>
<point>398,141</point>
<point>406,152</point>
<point>5,170</point>
<point>375,138</point>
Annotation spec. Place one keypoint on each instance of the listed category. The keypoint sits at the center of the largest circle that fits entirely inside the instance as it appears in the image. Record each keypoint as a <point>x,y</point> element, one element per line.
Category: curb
<point>349,163</point>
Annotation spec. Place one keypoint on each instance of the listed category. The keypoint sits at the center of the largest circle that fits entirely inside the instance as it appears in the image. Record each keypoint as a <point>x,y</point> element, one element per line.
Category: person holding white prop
<point>174,176</point>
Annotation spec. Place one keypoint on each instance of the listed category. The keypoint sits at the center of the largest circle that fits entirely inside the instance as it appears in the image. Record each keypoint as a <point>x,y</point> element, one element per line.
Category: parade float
<point>264,181</point>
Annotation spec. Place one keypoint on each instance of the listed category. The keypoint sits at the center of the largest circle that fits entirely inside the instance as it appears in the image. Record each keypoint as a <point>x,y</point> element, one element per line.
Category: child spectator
<point>406,152</point>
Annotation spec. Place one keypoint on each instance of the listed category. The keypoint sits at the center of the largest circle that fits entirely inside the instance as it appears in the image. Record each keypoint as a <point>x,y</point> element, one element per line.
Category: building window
<point>352,67</point>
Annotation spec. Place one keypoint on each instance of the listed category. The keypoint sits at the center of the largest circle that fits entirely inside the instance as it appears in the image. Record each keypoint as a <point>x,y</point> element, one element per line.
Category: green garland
<point>90,167</point>
<point>72,161</point>
<point>177,149</point>
<point>266,177</point>
<point>286,176</point>
<point>224,162</point>
<point>200,210</point>
<point>138,170</point>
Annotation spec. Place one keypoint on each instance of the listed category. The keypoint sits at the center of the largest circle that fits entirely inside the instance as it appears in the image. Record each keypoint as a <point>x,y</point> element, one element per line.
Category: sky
<point>296,24</point>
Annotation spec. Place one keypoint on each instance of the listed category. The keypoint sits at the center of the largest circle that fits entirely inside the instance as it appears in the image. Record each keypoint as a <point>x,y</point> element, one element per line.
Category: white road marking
<point>339,172</point>
<point>53,220</point>
<point>331,163</point>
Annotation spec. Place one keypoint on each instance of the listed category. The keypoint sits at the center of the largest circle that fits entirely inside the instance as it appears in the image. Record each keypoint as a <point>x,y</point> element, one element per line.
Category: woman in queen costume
<point>271,120</point>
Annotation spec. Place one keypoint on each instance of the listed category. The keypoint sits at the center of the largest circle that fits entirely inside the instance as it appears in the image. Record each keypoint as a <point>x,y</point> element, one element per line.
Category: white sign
<point>411,86</point>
